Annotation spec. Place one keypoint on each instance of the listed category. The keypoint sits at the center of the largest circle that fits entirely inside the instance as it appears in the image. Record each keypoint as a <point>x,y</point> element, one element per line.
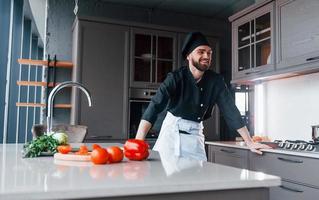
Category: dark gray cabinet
<point>100,56</point>
<point>297,33</point>
<point>293,191</point>
<point>299,175</point>
<point>286,46</point>
<point>275,39</point>
<point>301,169</point>
<point>228,156</point>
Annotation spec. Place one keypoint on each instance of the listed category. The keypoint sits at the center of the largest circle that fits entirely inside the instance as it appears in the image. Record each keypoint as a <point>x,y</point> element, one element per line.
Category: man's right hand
<point>256,147</point>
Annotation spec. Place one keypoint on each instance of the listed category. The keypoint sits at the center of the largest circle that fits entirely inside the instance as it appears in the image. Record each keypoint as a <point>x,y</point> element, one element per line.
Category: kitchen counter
<point>158,177</point>
<point>242,145</point>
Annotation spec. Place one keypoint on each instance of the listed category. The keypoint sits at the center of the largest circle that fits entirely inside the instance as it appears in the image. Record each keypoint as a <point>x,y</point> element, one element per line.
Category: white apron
<point>172,142</point>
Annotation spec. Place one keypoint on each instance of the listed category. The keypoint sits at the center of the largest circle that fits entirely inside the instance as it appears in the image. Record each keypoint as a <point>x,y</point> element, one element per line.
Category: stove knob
<point>310,147</point>
<point>303,147</point>
<point>288,145</point>
<point>281,145</point>
<point>295,146</point>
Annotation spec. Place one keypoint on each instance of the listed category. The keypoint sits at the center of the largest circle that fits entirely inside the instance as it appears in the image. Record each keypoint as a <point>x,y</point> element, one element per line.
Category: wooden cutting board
<point>72,157</point>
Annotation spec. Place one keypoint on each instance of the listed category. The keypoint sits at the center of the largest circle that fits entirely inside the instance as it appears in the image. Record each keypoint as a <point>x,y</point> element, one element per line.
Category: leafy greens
<point>44,143</point>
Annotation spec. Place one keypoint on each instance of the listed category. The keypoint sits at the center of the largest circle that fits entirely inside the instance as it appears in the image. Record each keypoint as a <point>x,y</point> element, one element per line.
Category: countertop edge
<point>241,145</point>
<point>109,193</point>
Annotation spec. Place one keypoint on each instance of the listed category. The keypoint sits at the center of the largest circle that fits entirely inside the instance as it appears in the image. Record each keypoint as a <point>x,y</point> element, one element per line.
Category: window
<point>242,102</point>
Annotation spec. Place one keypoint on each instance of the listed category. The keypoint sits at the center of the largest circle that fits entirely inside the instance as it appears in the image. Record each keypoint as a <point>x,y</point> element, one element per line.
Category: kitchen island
<point>158,177</point>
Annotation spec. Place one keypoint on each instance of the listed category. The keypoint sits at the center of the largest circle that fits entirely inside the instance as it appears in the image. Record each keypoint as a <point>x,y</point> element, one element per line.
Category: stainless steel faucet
<point>55,91</point>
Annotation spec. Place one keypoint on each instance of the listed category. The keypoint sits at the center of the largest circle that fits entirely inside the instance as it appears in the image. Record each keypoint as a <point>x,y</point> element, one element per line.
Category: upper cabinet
<point>275,39</point>
<point>253,42</point>
<point>298,33</point>
<point>153,55</point>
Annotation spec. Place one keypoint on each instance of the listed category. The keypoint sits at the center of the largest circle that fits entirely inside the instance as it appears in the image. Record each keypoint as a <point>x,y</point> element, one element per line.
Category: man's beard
<point>199,66</point>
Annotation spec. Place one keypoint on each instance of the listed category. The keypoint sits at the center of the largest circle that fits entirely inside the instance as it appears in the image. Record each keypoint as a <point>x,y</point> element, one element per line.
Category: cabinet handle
<point>138,101</point>
<point>255,72</point>
<point>290,189</point>
<point>290,160</point>
<point>227,151</point>
<point>312,58</point>
<point>101,137</point>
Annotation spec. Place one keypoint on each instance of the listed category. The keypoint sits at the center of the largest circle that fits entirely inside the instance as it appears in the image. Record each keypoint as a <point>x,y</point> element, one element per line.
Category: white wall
<point>291,107</point>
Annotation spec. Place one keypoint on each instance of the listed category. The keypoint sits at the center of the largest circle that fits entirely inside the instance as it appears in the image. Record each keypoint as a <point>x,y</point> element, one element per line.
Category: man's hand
<point>255,147</point>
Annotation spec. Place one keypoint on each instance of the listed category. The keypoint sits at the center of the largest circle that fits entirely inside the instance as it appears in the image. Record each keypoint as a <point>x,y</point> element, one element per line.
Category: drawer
<point>293,192</point>
<point>230,151</point>
<point>294,168</point>
<point>229,156</point>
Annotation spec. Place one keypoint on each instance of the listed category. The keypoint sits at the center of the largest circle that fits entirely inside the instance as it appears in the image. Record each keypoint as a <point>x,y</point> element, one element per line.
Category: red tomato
<point>116,154</point>
<point>100,156</point>
<point>95,146</point>
<point>83,150</point>
<point>64,149</point>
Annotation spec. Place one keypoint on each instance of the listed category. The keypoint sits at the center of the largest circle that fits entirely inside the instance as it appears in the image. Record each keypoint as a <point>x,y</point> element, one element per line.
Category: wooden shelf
<point>21,104</point>
<point>35,83</point>
<point>61,64</point>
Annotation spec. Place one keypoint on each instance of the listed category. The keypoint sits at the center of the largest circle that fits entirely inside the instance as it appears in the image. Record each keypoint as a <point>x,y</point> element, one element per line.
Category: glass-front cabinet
<point>253,43</point>
<point>153,55</point>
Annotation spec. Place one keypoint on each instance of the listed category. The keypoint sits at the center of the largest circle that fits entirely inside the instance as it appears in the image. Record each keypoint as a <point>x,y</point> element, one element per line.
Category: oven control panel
<point>139,93</point>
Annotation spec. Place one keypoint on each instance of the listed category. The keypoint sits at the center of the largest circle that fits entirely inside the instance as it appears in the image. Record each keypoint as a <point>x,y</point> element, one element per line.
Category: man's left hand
<point>255,147</point>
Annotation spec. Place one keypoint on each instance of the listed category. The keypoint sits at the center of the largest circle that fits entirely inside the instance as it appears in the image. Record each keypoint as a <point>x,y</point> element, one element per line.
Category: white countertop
<point>45,178</point>
<point>242,145</point>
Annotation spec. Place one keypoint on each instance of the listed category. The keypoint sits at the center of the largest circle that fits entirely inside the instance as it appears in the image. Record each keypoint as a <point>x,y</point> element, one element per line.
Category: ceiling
<point>220,9</point>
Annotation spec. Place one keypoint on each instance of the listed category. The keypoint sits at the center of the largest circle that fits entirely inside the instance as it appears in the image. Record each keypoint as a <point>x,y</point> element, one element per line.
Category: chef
<point>189,95</point>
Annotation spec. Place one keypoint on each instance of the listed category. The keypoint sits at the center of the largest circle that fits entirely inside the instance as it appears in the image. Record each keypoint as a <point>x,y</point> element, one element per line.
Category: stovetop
<point>298,145</point>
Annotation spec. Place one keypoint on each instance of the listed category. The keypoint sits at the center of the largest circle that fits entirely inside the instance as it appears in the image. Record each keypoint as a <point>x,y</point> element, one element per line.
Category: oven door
<point>136,109</point>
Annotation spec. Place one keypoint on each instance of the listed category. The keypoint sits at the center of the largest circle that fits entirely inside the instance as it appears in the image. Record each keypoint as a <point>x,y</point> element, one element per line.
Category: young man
<point>189,94</point>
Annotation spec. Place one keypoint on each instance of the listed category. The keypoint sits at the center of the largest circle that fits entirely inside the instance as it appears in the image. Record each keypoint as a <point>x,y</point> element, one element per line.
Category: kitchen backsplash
<point>291,106</point>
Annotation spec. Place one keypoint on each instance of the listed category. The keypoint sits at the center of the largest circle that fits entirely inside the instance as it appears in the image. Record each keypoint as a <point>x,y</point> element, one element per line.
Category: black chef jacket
<point>185,98</point>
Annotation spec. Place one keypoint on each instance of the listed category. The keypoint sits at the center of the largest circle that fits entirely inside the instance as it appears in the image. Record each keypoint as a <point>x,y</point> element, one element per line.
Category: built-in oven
<point>138,103</point>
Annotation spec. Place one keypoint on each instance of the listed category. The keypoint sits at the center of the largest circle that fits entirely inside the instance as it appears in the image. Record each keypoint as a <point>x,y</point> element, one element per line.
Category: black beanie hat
<point>193,40</point>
